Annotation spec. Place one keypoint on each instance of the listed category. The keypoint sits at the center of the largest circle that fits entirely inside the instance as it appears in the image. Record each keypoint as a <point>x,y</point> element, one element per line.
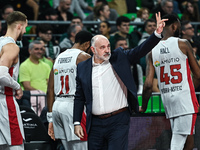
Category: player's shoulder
<point>183,43</point>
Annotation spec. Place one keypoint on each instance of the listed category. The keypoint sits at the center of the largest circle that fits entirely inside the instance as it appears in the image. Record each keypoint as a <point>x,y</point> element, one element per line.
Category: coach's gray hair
<point>95,38</point>
<point>31,45</point>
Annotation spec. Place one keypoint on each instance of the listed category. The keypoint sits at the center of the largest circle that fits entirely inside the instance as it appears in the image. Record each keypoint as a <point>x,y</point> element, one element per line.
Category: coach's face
<point>101,50</point>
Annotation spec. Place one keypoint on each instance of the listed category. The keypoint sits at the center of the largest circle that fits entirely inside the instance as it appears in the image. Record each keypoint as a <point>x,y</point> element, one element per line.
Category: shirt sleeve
<point>24,74</point>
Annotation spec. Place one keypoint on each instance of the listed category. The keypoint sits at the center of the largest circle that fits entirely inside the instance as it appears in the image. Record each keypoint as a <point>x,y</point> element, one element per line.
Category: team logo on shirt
<point>157,63</point>
<point>55,71</point>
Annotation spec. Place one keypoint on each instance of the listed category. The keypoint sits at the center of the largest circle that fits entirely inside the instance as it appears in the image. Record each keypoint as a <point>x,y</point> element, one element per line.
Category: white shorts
<point>62,115</point>
<point>183,124</point>
<point>11,127</point>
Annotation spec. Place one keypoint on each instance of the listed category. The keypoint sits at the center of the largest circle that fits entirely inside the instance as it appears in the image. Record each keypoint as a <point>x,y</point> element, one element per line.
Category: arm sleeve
<point>7,80</point>
<point>83,4</point>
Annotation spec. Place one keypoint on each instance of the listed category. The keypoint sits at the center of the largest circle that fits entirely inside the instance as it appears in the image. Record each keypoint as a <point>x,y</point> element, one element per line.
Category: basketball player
<point>172,60</point>
<point>11,128</point>
<point>61,91</point>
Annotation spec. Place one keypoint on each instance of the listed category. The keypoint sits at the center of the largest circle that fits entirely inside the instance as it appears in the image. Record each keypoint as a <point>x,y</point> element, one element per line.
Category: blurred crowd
<point>55,38</point>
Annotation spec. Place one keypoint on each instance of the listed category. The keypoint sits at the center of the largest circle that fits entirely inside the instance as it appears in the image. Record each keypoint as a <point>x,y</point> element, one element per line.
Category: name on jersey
<point>170,60</point>
<point>171,89</point>
<point>64,60</point>
<point>164,50</point>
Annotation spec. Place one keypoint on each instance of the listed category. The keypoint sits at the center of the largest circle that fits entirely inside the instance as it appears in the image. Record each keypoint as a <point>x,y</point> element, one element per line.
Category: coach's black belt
<point>103,116</point>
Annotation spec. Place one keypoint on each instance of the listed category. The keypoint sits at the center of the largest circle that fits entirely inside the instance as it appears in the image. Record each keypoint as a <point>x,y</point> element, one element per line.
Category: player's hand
<point>50,131</point>
<point>78,130</point>
<point>160,23</point>
<point>19,93</point>
<point>141,109</point>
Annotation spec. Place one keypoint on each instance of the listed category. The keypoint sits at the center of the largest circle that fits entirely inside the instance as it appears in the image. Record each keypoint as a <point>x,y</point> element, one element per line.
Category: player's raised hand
<point>160,23</point>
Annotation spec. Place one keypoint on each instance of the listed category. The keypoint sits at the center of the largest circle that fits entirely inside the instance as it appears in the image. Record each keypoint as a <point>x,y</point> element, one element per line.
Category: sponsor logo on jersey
<point>157,63</point>
<point>55,71</point>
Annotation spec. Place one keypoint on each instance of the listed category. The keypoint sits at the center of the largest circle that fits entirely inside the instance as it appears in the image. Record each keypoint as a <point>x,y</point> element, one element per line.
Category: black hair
<point>183,23</point>
<point>43,28</point>
<point>171,19</point>
<point>5,7</point>
<point>82,37</point>
<point>103,1</point>
<point>77,17</point>
<point>122,19</point>
<point>106,22</point>
<point>148,20</point>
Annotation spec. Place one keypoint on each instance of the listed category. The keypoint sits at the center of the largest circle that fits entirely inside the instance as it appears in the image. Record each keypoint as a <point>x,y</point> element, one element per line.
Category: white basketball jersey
<point>65,73</point>
<point>13,70</point>
<point>174,78</point>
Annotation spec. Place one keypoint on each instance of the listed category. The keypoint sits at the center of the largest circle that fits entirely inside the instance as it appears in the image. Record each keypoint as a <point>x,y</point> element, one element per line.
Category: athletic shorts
<point>11,127</point>
<point>183,124</point>
<point>62,115</point>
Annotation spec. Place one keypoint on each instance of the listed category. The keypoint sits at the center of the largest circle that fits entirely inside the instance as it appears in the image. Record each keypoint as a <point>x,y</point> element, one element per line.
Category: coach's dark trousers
<point>110,133</point>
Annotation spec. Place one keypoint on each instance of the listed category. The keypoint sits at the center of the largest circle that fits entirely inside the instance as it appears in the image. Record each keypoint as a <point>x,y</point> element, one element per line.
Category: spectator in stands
<point>123,26</point>
<point>44,59</point>
<point>44,32</point>
<point>34,73</point>
<point>76,4</point>
<point>63,10</point>
<point>69,42</point>
<point>63,13</point>
<point>164,7</point>
<point>101,13</point>
<point>7,9</point>
<point>28,7</point>
<point>149,28</point>
<point>119,5</point>
<point>85,6</point>
<point>131,6</point>
<point>121,42</point>
<point>76,8</point>
<point>191,12</point>
<point>76,20</point>
<point>187,32</point>
<point>148,4</point>
<point>49,14</point>
<point>142,16</point>
<point>104,29</point>
<point>112,17</point>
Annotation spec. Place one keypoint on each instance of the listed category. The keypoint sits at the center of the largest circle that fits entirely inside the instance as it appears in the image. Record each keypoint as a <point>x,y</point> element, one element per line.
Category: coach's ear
<point>93,49</point>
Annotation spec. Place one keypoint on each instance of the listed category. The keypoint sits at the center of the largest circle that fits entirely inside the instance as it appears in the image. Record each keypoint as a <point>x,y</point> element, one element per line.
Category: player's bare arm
<point>186,48</point>
<point>27,86</point>
<point>9,57</point>
<point>50,101</point>
<point>147,88</point>
<point>82,57</point>
<point>50,91</point>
